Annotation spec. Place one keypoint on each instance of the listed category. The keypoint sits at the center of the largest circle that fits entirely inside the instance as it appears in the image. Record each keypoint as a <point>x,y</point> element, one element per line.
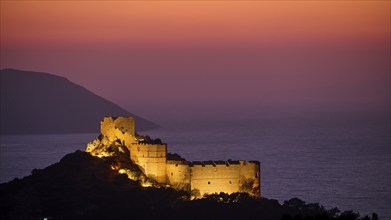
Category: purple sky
<point>244,69</point>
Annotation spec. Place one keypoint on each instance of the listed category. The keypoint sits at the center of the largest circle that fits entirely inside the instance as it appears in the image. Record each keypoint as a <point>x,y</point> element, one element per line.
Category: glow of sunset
<point>188,22</point>
<point>236,57</point>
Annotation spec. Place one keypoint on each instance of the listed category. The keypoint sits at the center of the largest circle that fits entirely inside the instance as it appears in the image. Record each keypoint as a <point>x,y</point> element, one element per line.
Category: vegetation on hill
<point>81,186</point>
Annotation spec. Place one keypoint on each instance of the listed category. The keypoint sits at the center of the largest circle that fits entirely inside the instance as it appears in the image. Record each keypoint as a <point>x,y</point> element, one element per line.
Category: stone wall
<point>125,124</point>
<point>250,177</point>
<point>119,128</point>
<point>227,177</point>
<point>151,158</point>
<point>211,178</point>
<point>178,174</point>
<point>208,177</point>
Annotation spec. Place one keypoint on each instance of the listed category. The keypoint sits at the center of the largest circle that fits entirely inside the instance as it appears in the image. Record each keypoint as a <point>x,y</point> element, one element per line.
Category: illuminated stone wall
<point>179,174</point>
<point>151,158</point>
<point>125,124</point>
<point>120,128</point>
<point>230,177</point>
<point>250,177</point>
<point>210,178</point>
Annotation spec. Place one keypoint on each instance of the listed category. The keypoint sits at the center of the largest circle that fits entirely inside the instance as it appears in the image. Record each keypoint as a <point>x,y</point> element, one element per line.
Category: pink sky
<point>165,59</point>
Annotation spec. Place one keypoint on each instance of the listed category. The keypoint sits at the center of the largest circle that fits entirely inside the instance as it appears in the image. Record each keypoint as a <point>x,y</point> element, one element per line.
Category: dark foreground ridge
<point>81,186</point>
<point>42,103</point>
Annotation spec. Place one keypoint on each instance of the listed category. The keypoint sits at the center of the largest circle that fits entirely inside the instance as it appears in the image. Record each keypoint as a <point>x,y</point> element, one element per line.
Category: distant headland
<point>43,103</point>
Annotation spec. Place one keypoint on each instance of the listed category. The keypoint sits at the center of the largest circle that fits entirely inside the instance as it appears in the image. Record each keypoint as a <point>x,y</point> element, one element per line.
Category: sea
<point>344,164</point>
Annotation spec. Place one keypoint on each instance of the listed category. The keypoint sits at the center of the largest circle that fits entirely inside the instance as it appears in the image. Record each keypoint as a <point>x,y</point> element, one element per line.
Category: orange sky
<point>207,56</point>
<point>189,22</point>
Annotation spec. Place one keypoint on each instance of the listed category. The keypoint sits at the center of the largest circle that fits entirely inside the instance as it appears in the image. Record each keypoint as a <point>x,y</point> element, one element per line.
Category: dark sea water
<point>347,165</point>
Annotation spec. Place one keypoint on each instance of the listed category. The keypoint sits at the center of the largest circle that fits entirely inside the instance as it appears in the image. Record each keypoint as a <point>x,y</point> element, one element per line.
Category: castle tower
<point>119,128</point>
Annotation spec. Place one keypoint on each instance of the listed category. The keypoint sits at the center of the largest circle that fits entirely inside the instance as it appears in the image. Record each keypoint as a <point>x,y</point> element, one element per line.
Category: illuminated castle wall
<point>151,158</point>
<point>199,178</point>
<point>208,177</point>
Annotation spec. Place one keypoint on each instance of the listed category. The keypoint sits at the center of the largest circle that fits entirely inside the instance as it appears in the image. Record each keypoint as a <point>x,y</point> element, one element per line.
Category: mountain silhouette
<point>42,103</point>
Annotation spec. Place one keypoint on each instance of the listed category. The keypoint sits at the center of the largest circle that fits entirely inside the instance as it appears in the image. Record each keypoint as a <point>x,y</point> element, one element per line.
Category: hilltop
<point>81,186</point>
<point>42,103</point>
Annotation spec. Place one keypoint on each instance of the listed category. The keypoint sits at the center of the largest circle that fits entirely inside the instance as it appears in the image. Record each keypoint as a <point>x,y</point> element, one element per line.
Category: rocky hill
<point>81,186</point>
<point>42,103</point>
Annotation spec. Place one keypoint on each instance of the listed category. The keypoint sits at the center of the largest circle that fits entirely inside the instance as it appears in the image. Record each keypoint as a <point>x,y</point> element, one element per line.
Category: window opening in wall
<point>172,174</point>
<point>230,182</point>
<point>208,182</point>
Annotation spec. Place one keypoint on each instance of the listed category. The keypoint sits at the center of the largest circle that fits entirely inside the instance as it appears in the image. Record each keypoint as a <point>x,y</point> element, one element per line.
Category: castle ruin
<point>197,177</point>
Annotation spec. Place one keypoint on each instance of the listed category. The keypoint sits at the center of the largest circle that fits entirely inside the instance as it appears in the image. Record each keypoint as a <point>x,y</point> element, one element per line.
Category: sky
<point>169,60</point>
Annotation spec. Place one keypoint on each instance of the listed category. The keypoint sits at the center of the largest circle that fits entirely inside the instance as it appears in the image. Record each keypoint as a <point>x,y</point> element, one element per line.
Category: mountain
<point>42,103</point>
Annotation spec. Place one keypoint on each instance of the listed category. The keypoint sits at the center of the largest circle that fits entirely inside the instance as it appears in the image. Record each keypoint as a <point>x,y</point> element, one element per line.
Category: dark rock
<point>81,186</point>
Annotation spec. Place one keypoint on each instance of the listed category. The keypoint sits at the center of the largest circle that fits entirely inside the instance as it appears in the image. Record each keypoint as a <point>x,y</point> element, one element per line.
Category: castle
<point>199,178</point>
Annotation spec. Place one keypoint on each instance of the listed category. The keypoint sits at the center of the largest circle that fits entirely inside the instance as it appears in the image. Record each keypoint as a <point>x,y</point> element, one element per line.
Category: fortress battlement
<point>178,162</point>
<point>220,163</point>
<point>214,163</point>
<point>140,143</point>
<point>197,177</point>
